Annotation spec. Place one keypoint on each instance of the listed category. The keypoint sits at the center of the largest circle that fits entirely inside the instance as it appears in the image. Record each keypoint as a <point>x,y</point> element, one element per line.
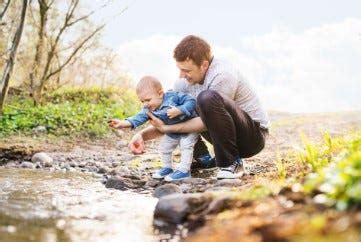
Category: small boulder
<point>175,208</point>
<point>40,129</point>
<point>43,158</point>
<point>117,183</point>
<point>229,183</point>
<point>166,189</point>
<point>27,164</point>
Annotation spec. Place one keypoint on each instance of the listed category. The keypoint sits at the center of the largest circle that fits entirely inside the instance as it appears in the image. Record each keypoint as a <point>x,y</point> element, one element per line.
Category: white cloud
<point>315,70</point>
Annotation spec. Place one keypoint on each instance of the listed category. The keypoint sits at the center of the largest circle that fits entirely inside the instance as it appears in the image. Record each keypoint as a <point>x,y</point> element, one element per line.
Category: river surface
<point>62,207</point>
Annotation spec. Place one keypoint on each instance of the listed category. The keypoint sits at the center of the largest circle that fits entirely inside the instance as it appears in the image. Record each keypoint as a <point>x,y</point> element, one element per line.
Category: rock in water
<point>175,208</point>
<point>166,189</point>
<point>42,157</point>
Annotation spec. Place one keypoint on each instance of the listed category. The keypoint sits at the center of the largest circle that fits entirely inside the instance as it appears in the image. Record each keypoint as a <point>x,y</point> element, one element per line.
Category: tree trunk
<point>34,73</point>
<point>4,84</point>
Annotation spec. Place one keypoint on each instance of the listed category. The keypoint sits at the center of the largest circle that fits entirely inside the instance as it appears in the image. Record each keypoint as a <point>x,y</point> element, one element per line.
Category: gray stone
<point>122,171</point>
<point>40,129</point>
<point>116,163</point>
<point>152,183</point>
<point>166,189</point>
<point>119,183</point>
<point>102,170</point>
<point>229,183</point>
<point>218,189</point>
<point>175,208</point>
<point>185,188</point>
<point>42,157</point>
<point>27,164</point>
<point>195,181</point>
<point>121,144</point>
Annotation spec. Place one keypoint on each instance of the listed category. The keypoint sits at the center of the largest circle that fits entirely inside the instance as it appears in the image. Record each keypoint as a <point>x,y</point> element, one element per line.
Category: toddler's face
<point>151,98</point>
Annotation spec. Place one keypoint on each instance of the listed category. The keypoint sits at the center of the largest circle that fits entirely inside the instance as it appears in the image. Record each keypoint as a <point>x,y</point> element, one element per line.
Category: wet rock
<point>132,176</point>
<point>122,171</point>
<point>102,170</point>
<point>11,164</point>
<point>116,163</point>
<point>121,144</point>
<point>121,183</point>
<point>175,208</point>
<point>43,158</point>
<point>185,188</point>
<point>27,164</point>
<point>195,181</point>
<point>166,189</point>
<point>152,183</point>
<point>229,183</point>
<point>92,169</point>
<point>218,189</point>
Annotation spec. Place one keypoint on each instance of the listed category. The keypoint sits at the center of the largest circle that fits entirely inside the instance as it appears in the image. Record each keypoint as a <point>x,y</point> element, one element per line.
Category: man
<point>231,116</point>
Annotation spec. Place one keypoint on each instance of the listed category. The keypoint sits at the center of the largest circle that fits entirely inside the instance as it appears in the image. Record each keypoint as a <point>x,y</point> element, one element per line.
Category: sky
<point>300,56</point>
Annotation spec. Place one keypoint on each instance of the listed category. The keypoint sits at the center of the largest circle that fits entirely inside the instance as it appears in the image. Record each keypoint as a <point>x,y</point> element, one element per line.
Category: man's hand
<point>156,122</point>
<point>136,144</point>
<point>119,124</point>
<point>173,112</point>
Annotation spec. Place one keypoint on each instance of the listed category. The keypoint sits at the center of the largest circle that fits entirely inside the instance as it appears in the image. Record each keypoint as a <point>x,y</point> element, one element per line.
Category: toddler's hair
<point>148,82</point>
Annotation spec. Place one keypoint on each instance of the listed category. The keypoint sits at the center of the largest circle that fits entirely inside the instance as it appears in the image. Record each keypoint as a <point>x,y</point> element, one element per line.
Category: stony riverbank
<point>199,200</point>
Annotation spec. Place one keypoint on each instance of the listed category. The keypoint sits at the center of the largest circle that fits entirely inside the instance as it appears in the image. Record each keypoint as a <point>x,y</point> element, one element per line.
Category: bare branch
<point>76,51</point>
<point>4,10</point>
<point>89,14</point>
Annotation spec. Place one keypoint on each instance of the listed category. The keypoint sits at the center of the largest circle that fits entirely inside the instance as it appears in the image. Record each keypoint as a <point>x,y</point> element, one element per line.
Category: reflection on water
<point>62,207</point>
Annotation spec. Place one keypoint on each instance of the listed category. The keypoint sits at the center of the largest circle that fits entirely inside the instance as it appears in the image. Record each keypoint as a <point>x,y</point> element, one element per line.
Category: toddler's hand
<point>173,112</point>
<point>117,124</point>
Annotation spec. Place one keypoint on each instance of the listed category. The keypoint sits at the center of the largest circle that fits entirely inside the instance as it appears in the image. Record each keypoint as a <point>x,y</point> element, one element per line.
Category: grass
<point>336,171</point>
<point>69,112</point>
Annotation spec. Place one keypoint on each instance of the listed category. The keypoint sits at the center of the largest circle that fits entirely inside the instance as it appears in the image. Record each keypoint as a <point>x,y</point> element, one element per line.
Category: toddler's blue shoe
<point>177,175</point>
<point>162,172</point>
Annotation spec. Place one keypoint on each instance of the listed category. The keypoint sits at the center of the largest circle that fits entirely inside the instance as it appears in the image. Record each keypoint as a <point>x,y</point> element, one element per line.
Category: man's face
<point>151,98</point>
<point>191,72</point>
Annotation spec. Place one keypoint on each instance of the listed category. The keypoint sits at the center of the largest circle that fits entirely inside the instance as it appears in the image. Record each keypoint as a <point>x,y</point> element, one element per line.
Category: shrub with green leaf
<point>71,111</point>
<point>339,181</point>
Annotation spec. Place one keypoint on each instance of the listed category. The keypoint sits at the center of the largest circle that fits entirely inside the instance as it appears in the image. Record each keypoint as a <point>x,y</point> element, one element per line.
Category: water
<point>63,207</point>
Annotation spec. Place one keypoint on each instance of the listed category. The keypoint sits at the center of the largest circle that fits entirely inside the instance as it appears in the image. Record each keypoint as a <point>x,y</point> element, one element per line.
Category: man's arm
<point>194,125</point>
<point>150,133</point>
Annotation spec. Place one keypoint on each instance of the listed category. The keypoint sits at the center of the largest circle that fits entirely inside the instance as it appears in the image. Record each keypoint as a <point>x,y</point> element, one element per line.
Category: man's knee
<point>206,98</point>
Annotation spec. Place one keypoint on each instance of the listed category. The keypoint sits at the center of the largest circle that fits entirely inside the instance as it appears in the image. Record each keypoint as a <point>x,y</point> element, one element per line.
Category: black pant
<point>231,130</point>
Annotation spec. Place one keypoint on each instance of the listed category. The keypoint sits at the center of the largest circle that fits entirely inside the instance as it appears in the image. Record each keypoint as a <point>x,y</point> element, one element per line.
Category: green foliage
<point>69,112</point>
<point>281,167</point>
<point>256,192</point>
<point>317,156</point>
<point>339,182</point>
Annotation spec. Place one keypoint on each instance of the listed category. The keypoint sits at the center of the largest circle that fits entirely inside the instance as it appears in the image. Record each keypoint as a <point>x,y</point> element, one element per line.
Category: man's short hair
<point>194,48</point>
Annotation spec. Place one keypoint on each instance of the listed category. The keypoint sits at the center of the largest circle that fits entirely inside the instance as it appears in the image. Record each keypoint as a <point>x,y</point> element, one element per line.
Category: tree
<point>4,82</point>
<point>54,51</point>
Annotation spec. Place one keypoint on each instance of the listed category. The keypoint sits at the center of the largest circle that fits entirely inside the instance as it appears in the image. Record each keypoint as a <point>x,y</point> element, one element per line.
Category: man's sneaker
<point>162,172</point>
<point>234,171</point>
<point>177,175</point>
<point>204,162</point>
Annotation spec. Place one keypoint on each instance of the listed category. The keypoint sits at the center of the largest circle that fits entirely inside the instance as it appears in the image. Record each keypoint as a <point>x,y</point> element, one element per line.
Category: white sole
<point>235,176</point>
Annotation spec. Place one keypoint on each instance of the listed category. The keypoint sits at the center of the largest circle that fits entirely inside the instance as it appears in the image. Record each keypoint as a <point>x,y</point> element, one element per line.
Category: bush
<point>339,182</point>
<point>69,112</point>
